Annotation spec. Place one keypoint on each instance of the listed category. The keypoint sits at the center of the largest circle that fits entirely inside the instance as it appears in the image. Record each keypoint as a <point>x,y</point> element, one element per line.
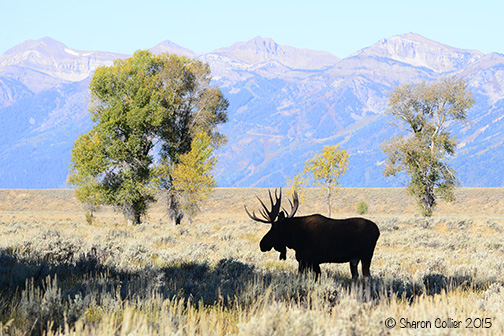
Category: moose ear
<point>281,216</point>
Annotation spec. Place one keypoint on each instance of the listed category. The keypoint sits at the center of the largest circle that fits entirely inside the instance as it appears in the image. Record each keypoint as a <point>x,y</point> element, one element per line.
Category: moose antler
<point>294,205</point>
<point>271,216</point>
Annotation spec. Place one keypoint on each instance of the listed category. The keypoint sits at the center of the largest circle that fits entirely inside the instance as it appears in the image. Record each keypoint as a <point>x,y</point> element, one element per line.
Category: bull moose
<point>317,239</point>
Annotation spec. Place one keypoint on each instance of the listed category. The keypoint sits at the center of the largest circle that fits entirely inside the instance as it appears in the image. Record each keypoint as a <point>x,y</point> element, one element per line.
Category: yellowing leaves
<point>145,108</point>
<point>323,170</point>
<point>192,177</point>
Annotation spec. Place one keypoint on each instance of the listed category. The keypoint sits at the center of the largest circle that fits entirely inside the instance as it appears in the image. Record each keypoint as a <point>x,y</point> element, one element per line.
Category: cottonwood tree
<point>298,185</point>
<point>323,170</point>
<point>89,160</point>
<point>192,179</point>
<point>424,112</point>
<point>147,110</point>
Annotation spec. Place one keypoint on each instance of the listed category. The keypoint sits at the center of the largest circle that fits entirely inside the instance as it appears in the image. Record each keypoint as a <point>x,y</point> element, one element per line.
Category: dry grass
<point>59,275</point>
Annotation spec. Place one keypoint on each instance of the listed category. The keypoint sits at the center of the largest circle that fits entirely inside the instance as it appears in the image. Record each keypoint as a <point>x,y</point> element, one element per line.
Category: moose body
<point>318,239</point>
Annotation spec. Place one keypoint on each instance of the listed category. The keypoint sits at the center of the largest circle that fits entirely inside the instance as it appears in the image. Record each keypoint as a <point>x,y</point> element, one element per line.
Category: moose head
<point>275,238</point>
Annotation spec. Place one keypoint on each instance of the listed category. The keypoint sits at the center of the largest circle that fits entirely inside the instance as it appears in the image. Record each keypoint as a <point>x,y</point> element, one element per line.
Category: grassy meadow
<point>61,276</point>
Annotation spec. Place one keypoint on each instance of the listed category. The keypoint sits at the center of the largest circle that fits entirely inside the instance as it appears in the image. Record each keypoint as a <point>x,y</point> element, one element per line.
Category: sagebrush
<point>64,276</point>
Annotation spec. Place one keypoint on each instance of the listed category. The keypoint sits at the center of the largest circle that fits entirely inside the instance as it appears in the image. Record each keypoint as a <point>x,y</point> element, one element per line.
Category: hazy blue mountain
<point>172,48</point>
<point>285,104</point>
<point>43,104</point>
<point>45,63</point>
<point>420,52</point>
<point>260,51</point>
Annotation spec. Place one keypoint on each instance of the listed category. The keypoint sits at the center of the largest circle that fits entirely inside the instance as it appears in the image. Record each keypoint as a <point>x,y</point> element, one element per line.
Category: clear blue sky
<point>340,27</point>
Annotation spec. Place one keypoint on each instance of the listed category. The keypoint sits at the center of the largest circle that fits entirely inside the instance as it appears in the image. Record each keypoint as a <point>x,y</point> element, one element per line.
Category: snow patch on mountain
<point>52,58</point>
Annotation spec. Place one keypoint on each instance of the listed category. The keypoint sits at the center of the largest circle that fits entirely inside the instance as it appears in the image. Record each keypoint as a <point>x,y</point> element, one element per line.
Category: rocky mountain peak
<point>173,48</point>
<point>266,45</point>
<point>44,45</point>
<point>263,50</point>
<point>49,58</point>
<point>419,51</point>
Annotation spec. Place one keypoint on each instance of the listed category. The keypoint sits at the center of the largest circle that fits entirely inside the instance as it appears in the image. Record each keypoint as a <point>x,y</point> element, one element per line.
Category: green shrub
<point>89,217</point>
<point>362,208</point>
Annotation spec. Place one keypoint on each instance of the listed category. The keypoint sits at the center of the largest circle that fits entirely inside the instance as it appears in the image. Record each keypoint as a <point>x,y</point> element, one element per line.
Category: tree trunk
<point>138,218</point>
<point>174,212</point>
<point>133,213</point>
<point>428,200</point>
<point>328,202</point>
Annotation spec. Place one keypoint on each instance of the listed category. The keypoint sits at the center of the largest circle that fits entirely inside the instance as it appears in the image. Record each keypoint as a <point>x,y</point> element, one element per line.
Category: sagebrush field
<point>61,276</point>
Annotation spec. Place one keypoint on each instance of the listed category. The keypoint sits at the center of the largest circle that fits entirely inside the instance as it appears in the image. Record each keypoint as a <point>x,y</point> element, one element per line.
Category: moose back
<point>317,239</point>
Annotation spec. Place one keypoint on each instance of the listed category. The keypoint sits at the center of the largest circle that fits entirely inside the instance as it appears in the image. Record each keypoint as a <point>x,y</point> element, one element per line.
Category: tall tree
<point>423,112</point>
<point>146,109</point>
<point>192,177</point>
<point>89,160</point>
<point>323,170</point>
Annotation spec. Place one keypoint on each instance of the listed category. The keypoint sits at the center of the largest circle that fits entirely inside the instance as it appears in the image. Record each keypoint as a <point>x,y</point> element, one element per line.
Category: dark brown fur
<point>318,239</point>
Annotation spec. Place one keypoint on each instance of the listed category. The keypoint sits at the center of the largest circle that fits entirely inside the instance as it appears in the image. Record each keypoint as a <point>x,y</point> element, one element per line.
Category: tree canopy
<point>192,178</point>
<point>147,110</point>
<point>424,112</point>
<point>323,170</point>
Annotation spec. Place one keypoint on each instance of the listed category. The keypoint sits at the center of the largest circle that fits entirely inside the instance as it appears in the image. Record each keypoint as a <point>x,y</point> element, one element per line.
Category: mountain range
<point>286,103</point>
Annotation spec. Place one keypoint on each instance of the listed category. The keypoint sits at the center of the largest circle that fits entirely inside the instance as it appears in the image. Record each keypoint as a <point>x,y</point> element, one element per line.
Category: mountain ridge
<point>172,47</point>
<point>285,104</point>
<point>51,63</point>
<point>438,57</point>
<point>260,50</point>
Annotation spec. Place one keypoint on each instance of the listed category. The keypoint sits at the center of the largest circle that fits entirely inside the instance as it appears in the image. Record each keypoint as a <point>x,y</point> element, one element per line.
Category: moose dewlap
<point>317,239</point>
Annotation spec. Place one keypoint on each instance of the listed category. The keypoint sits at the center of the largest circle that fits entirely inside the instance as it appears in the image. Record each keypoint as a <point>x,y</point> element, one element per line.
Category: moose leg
<point>366,264</point>
<point>303,266</point>
<point>316,269</point>
<point>353,268</point>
